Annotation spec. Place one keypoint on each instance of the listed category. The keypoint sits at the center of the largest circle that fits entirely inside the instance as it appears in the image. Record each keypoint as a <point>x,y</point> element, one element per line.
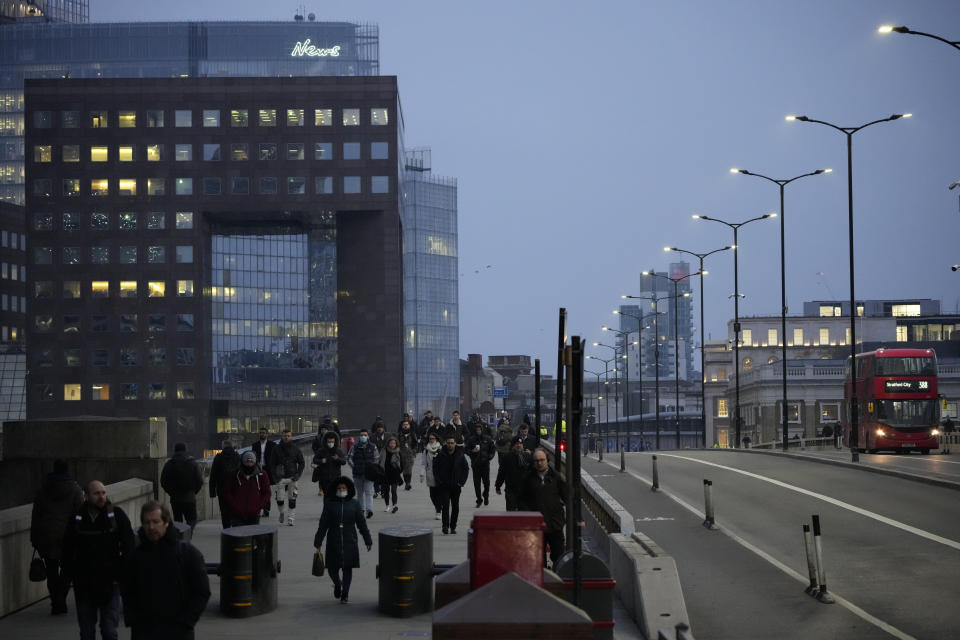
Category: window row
<point>71,289</point>
<point>237,186</point>
<point>74,357</point>
<point>11,271</point>
<point>13,303</point>
<point>103,221</point>
<point>125,254</point>
<point>212,152</point>
<point>13,240</point>
<point>125,391</point>
<point>210,118</point>
<point>98,323</point>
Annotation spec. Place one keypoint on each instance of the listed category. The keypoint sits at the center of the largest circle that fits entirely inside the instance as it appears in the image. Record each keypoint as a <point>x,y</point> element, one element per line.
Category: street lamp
<point>625,336</point>
<point>606,381</point>
<point>596,404</point>
<point>782,183</point>
<point>656,355</point>
<point>888,28</point>
<point>639,344</point>
<point>703,373</point>
<point>676,335</point>
<point>848,132</point>
<point>736,310</point>
<point>616,382</point>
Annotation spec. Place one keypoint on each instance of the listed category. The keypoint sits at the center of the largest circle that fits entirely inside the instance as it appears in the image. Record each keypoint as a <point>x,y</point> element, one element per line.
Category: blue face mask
<point>363,438</point>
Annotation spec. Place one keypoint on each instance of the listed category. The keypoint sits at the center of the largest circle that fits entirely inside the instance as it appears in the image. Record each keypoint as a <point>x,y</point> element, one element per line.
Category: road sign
<point>500,392</point>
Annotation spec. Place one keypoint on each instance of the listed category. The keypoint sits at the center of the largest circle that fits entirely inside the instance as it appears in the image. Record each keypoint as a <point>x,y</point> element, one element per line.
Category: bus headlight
<point>881,433</point>
<point>935,432</point>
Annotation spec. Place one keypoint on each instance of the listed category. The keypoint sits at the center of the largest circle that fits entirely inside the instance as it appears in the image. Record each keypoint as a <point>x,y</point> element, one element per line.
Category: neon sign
<point>306,49</point>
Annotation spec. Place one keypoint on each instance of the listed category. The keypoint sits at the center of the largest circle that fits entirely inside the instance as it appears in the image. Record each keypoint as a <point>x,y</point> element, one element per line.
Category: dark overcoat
<point>339,522</point>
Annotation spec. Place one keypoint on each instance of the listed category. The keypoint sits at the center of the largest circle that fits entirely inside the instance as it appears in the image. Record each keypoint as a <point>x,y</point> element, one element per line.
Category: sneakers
<point>453,531</point>
<point>437,517</point>
<point>369,514</point>
<point>344,599</point>
<point>479,502</point>
<point>407,487</point>
<point>290,521</point>
<point>387,510</point>
<point>445,531</point>
<point>394,509</point>
<point>486,500</point>
<point>281,517</point>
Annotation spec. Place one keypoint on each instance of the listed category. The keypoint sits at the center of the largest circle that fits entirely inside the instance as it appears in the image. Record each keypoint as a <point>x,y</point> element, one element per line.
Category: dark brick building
<point>222,254</point>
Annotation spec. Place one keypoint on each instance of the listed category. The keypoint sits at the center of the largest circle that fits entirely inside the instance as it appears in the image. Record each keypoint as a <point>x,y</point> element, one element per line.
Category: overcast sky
<point>584,135</point>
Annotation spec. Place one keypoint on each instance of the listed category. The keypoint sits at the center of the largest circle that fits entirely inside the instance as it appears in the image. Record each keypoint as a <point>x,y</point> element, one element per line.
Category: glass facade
<point>165,50</point>
<point>44,10</point>
<point>430,287</point>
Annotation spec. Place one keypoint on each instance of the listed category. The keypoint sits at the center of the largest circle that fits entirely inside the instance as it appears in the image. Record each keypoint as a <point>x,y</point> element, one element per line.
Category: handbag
<point>316,474</point>
<point>318,566</point>
<point>38,570</point>
<point>375,474</point>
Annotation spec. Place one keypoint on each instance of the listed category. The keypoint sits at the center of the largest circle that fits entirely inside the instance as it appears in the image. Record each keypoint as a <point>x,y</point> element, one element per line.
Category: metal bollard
<point>656,476</point>
<point>709,522</point>
<point>811,590</point>
<point>600,449</point>
<point>821,594</point>
<point>623,460</point>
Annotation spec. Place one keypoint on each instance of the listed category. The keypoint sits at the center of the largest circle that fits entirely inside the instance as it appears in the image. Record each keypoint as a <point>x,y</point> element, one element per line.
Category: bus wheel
<point>925,452</point>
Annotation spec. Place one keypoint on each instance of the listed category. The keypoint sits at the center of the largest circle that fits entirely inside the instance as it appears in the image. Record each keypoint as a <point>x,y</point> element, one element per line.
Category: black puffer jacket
<point>481,450</point>
<point>165,587</point>
<point>546,496</point>
<point>95,549</point>
<point>329,460</point>
<point>341,519</point>
<point>286,461</point>
<point>181,478</point>
<point>223,469</point>
<point>56,502</point>
<point>450,469</point>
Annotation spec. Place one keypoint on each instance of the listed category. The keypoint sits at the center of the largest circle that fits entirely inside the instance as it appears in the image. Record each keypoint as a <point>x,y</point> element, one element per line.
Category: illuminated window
<point>154,118</point>
<point>746,337</point>
<point>772,337</point>
<point>185,391</point>
<point>157,391</point>
<point>99,187</point>
<point>239,118</point>
<point>793,412</point>
<point>378,116</point>
<point>184,288</point>
<point>98,154</point>
<point>722,411</point>
<point>71,187</point>
<point>183,118</point>
<point>70,119</point>
<point>128,288</point>
<point>846,335</point>
<point>154,152</point>
<point>380,184</point>
<point>184,186</point>
<point>211,117</point>
<point>127,187</point>
<point>156,289</point>
<point>71,153</point>
<point>128,391</point>
<point>351,117</point>
<point>100,289</point>
<point>184,220</point>
<point>798,337</point>
<point>322,150</point>
<point>322,117</point>
<point>99,120</point>
<point>829,412</point>
<point>125,153</point>
<point>905,310</point>
<point>829,311</point>
<point>71,392</point>
<point>183,152</point>
<point>100,391</point>
<point>42,153</point>
<point>295,151</point>
<point>156,186</point>
<point>267,117</point>
<point>859,310</point>
<point>902,333</point>
<point>128,221</point>
<point>127,119</point>
<point>71,289</point>
<point>238,151</point>
<point>294,117</point>
<point>747,364</point>
<point>824,336</point>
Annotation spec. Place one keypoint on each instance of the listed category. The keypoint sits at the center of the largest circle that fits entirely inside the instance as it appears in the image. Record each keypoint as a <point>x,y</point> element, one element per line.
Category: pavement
<point>306,606</point>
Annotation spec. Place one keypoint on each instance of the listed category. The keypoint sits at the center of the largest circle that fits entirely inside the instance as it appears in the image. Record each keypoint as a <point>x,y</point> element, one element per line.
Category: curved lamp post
<point>736,311</point>
<point>656,354</point>
<point>639,343</point>
<point>782,183</point>
<point>676,335</point>
<point>616,382</point>
<point>703,373</point>
<point>889,28</point>
<point>606,381</point>
<point>596,406</point>
<point>625,336</point>
<point>848,132</point>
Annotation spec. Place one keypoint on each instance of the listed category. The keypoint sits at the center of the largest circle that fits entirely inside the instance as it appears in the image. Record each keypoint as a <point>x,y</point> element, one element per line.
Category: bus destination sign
<point>906,386</point>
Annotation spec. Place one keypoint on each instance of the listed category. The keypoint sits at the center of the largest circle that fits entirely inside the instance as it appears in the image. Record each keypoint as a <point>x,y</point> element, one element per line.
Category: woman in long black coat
<point>342,516</point>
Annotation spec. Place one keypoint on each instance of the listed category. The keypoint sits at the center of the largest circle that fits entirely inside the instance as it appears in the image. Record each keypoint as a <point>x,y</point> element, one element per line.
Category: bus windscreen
<point>918,366</point>
<point>907,414</point>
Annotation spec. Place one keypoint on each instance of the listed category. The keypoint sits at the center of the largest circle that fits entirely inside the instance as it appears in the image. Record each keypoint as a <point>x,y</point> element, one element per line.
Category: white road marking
<point>802,579</point>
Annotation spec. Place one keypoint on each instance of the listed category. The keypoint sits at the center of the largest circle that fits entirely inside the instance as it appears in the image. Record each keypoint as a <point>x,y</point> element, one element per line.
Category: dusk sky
<point>584,135</point>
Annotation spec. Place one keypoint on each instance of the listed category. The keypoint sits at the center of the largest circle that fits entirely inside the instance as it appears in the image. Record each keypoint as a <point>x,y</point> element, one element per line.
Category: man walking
<point>56,502</point>
<point>542,490</point>
<point>481,450</point>
<point>98,542</point>
<point>363,454</point>
<point>247,492</point>
<point>513,468</point>
<point>286,467</point>
<point>263,449</point>
<point>182,479</point>
<point>165,585</point>
<point>224,467</point>
<point>450,472</point>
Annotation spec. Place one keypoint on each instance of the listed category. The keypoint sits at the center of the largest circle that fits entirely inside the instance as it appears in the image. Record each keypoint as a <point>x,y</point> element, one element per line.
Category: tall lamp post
<point>606,381</point>
<point>625,336</point>
<point>656,355</point>
<point>782,183</point>
<point>703,373</point>
<point>676,335</point>
<point>848,132</point>
<point>888,28</point>
<point>736,311</point>
<point>616,382</point>
<point>639,344</point>
<point>596,404</point>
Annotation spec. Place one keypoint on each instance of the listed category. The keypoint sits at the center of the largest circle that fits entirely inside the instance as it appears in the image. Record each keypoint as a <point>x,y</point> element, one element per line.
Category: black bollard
<point>709,522</point>
<point>623,460</point>
<point>811,590</point>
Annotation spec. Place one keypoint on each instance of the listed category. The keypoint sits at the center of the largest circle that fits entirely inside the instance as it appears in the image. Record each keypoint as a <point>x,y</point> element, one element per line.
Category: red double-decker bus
<point>897,395</point>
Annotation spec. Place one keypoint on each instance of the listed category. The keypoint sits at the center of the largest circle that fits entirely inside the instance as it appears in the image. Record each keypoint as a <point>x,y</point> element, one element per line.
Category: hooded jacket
<point>247,494</point>
<point>58,500</point>
<point>329,460</point>
<point>182,478</point>
<point>286,461</point>
<point>339,523</point>
<point>95,549</point>
<point>224,465</point>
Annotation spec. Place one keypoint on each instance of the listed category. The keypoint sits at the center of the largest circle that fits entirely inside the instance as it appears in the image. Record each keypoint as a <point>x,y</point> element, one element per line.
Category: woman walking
<point>342,516</point>
<point>430,451</point>
<point>328,460</point>
<point>391,461</point>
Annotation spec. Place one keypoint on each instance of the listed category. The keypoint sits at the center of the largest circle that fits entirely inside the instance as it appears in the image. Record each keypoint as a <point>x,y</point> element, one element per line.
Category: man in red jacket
<point>247,492</point>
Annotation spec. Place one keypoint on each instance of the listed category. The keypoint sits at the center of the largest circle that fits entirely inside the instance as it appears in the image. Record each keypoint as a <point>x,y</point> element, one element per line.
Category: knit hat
<point>248,456</point>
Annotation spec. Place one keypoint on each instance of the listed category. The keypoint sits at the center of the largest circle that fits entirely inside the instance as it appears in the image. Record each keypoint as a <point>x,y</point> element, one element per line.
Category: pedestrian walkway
<point>306,606</point>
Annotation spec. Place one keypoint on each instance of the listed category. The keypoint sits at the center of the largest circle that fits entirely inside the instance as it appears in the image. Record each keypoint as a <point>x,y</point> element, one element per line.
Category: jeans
<point>343,583</point>
<point>87,610</point>
<point>364,492</point>
<point>555,540</point>
<point>481,475</point>
<point>390,491</point>
<point>435,499</point>
<point>450,497</point>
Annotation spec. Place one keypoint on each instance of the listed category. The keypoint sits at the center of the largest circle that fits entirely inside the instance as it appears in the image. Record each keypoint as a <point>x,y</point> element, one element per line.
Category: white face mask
<point>330,444</point>
<point>341,494</point>
<point>433,447</point>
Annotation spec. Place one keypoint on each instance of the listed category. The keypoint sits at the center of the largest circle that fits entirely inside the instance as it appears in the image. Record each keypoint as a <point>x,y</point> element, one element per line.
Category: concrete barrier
<point>16,590</point>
